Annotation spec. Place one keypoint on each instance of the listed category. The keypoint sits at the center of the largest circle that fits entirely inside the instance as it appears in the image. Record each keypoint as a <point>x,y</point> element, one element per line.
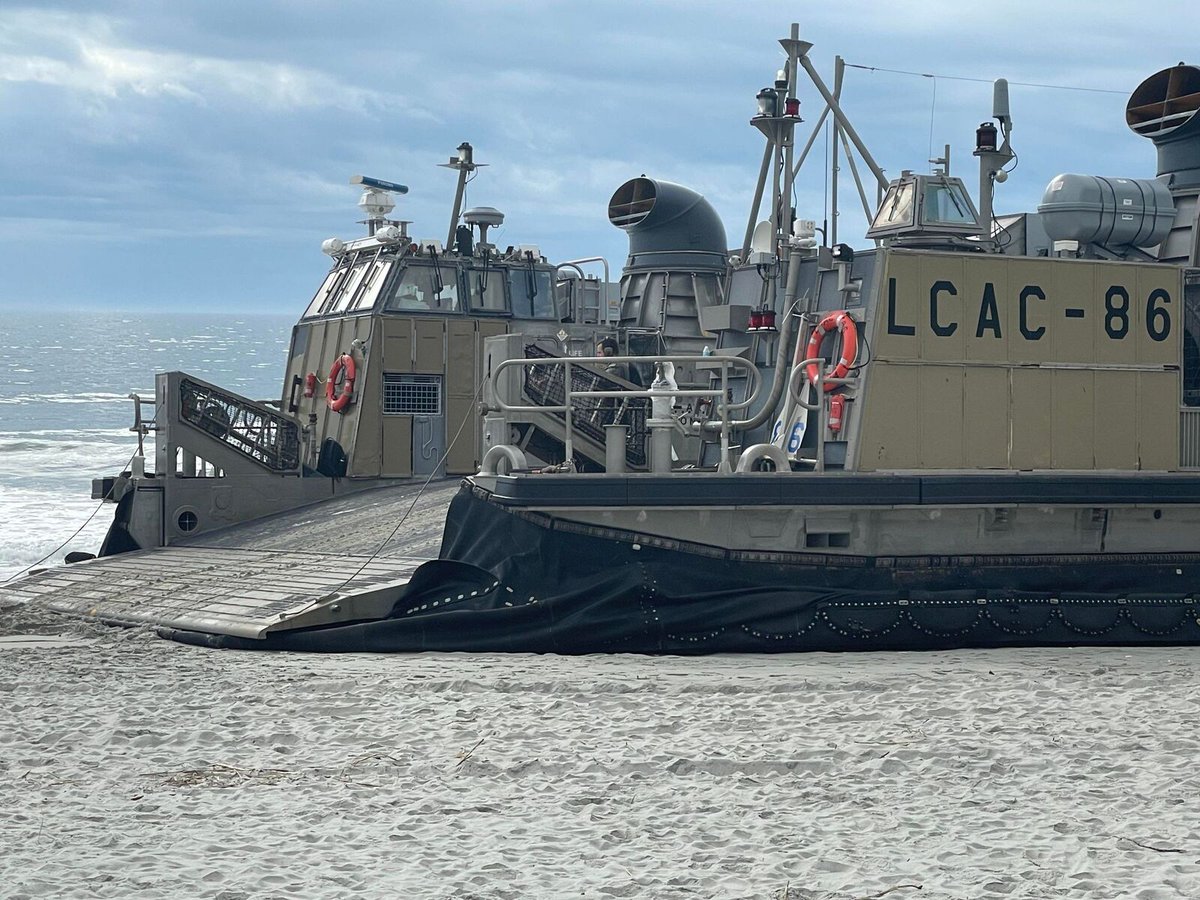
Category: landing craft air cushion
<point>982,430</point>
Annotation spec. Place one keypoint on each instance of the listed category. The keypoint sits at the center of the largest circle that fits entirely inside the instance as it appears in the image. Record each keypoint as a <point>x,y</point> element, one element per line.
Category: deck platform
<point>260,577</point>
<point>240,592</point>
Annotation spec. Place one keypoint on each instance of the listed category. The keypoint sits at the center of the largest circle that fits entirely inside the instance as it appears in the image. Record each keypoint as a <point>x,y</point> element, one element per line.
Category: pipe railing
<point>718,393</point>
<point>577,264</point>
<point>801,369</point>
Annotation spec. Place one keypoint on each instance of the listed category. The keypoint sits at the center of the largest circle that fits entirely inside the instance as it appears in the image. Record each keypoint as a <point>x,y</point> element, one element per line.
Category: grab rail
<point>719,393</point>
<point>247,427</point>
<point>602,310</point>
<point>793,390</point>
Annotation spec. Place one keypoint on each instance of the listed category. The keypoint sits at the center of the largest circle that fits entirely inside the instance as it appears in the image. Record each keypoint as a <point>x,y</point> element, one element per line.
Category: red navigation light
<point>985,138</point>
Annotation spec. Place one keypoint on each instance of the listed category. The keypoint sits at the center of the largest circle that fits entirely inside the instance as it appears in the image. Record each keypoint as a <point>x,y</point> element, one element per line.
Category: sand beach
<point>134,767</point>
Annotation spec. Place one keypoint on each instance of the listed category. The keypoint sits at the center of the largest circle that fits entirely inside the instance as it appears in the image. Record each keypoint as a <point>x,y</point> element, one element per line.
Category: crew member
<point>622,370</point>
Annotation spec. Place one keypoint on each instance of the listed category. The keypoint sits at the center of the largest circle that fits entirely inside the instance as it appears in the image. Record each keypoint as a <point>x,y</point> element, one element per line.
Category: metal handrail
<point>602,308</point>
<point>245,426</point>
<point>719,393</point>
<point>141,427</point>
<point>801,368</point>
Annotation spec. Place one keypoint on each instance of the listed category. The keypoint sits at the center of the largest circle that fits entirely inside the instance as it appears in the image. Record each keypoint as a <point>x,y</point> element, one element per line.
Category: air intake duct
<point>1165,109</point>
<point>669,226</point>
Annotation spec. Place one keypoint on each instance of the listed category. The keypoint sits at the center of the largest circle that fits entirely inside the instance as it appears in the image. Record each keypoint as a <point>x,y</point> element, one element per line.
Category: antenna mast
<point>992,160</point>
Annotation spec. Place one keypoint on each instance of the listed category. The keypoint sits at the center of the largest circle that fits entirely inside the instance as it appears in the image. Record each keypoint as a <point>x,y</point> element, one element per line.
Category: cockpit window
<point>351,287</point>
<point>897,206</point>
<point>367,291</point>
<point>425,288</point>
<point>946,203</point>
<point>485,289</point>
<point>532,293</point>
<point>326,291</point>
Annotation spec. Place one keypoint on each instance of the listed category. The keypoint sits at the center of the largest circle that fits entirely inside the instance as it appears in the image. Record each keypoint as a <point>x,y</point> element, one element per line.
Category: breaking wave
<point>66,419</point>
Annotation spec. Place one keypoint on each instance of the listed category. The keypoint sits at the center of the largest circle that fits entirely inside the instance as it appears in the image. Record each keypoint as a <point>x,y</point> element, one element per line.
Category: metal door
<point>429,443</point>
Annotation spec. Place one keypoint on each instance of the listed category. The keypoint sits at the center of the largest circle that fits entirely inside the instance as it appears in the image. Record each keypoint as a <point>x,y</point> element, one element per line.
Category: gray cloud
<point>218,136</point>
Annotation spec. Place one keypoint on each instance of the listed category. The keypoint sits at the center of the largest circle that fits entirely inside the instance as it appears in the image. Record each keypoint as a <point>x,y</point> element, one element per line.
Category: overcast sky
<point>194,153</point>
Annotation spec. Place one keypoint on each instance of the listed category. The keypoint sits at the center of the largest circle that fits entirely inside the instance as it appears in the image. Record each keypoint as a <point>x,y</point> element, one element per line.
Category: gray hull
<point>546,580</point>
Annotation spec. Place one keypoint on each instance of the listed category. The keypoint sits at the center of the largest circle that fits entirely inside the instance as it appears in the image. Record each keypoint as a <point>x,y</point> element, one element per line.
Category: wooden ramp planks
<point>247,593</point>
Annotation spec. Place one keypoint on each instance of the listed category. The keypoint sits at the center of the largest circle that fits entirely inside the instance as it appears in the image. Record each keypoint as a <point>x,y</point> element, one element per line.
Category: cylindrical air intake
<point>1164,108</point>
<point>669,226</point>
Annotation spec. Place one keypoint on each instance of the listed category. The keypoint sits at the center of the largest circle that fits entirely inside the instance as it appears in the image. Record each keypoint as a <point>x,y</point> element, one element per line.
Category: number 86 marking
<point>1116,313</point>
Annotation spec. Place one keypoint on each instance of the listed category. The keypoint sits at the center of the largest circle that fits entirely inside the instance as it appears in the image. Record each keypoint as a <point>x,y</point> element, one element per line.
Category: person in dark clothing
<point>608,347</point>
<point>611,410</point>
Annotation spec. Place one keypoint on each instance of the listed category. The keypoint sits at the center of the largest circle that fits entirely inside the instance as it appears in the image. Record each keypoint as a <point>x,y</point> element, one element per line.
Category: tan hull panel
<point>1017,363</point>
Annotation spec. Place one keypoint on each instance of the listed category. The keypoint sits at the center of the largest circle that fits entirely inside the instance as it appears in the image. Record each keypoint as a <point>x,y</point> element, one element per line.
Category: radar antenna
<point>376,201</point>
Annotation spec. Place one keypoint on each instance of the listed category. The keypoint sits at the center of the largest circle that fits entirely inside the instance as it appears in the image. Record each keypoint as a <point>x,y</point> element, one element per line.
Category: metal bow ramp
<point>244,593</point>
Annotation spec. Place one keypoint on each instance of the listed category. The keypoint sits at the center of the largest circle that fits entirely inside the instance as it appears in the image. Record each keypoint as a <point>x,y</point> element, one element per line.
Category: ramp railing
<point>246,426</point>
<point>230,433</point>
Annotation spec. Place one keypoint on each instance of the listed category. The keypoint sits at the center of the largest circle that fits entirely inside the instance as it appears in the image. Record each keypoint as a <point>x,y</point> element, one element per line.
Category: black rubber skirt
<point>520,582</point>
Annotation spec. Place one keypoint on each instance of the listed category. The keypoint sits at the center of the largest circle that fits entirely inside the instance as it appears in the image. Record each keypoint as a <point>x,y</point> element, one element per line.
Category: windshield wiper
<point>483,279</point>
<point>962,213</point>
<point>438,284</point>
<point>531,279</point>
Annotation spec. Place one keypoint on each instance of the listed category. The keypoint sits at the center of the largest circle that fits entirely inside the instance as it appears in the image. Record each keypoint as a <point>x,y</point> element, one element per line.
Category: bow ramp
<point>243,593</point>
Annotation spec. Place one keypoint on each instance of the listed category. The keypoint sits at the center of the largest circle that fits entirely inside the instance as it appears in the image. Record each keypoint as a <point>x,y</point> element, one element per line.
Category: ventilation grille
<point>1189,438</point>
<point>412,395</point>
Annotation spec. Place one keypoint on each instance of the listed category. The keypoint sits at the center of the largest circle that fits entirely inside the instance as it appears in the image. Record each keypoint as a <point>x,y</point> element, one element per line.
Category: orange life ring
<point>344,364</point>
<point>836,321</point>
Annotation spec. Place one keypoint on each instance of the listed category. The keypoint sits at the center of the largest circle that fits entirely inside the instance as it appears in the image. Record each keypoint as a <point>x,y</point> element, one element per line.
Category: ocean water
<point>65,412</point>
